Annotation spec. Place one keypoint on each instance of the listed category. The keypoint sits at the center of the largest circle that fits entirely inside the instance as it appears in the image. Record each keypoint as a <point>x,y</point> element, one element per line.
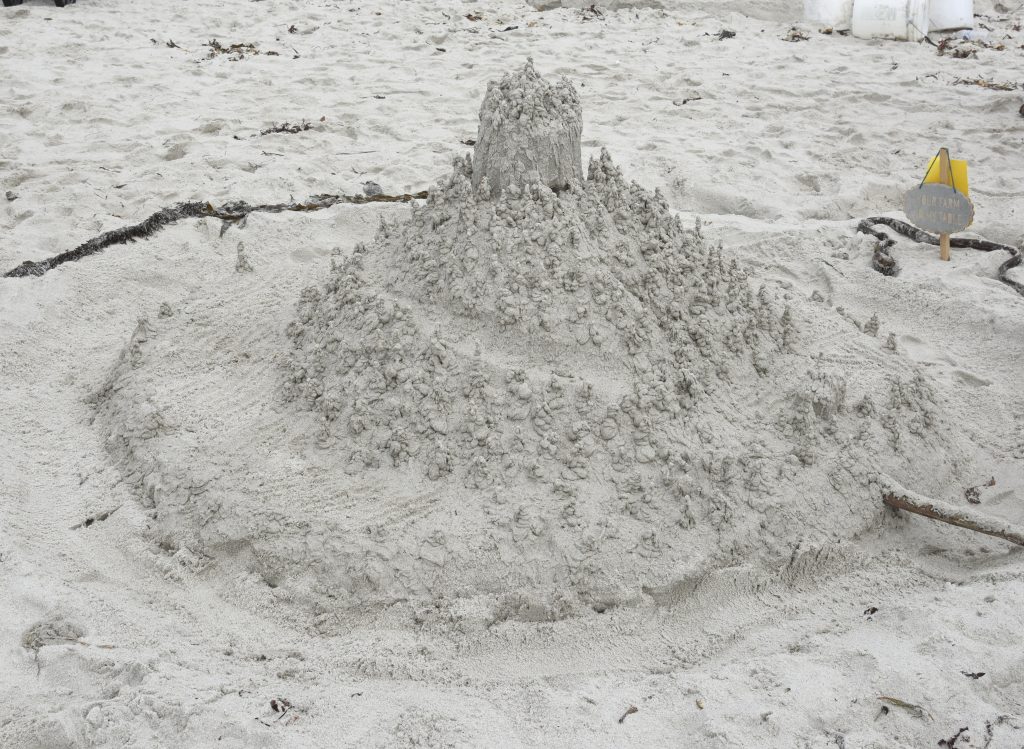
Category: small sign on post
<point>941,205</point>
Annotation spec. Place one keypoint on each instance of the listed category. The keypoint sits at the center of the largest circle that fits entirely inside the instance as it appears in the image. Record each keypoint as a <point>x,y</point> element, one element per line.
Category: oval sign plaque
<point>938,208</point>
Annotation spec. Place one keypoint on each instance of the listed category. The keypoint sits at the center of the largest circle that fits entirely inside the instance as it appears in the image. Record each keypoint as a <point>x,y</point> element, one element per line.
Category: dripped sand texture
<point>539,400</point>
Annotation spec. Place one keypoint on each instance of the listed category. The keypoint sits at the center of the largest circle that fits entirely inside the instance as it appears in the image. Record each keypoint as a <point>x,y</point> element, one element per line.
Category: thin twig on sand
<point>903,499</point>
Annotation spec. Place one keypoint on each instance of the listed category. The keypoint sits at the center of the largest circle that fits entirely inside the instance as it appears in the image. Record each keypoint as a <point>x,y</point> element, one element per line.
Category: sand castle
<point>540,391</point>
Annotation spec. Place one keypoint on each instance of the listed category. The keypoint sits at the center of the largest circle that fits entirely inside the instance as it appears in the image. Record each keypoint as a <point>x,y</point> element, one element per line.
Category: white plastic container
<point>834,13</point>
<point>890,19</point>
<point>950,15</point>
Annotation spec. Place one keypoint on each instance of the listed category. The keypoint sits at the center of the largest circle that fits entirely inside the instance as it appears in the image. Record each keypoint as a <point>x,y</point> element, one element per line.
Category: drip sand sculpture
<point>540,399</point>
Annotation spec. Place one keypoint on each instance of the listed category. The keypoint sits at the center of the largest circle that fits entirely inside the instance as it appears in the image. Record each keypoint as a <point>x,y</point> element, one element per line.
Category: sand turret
<point>529,133</point>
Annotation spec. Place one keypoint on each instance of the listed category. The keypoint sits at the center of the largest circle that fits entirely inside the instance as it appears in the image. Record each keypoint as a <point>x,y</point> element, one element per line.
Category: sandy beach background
<point>113,109</point>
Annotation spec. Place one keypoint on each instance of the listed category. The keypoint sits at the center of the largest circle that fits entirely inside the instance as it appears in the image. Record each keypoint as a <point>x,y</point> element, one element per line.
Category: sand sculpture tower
<point>529,133</point>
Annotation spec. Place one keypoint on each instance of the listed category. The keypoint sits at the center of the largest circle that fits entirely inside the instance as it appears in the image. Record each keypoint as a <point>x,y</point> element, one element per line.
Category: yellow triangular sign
<point>957,178</point>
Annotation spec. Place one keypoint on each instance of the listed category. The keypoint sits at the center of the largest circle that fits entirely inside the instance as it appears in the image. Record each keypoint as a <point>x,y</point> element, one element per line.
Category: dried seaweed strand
<point>883,261</point>
<point>230,212</point>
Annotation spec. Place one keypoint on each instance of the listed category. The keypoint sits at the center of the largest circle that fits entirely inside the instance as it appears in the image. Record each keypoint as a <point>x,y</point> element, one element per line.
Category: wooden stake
<point>945,178</point>
<point>899,498</point>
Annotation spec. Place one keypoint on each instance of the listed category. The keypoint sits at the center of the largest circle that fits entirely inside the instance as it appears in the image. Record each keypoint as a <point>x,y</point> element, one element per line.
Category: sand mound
<point>549,399</point>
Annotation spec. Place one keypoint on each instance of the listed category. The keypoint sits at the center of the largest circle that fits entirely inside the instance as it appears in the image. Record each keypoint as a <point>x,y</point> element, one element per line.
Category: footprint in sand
<point>971,379</point>
<point>929,355</point>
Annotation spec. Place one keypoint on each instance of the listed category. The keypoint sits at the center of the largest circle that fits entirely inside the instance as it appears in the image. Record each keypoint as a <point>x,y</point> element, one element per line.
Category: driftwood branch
<point>899,498</point>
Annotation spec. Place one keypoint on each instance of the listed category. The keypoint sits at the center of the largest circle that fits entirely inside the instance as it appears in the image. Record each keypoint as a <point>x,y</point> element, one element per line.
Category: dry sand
<point>775,615</point>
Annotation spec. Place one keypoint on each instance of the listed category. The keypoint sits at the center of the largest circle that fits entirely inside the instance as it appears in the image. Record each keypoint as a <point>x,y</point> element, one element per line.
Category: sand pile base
<point>548,401</point>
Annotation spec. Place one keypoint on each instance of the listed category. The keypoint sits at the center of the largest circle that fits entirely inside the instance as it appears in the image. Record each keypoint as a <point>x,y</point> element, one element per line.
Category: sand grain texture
<point>245,563</point>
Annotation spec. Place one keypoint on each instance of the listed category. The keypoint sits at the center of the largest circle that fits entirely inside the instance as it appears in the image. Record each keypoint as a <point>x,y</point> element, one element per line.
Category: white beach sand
<point>113,635</point>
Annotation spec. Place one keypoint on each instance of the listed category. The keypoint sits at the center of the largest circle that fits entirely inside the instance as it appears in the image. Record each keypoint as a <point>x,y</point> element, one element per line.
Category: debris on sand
<point>235,52</point>
<point>287,127</point>
<point>916,710</point>
<point>985,83</point>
